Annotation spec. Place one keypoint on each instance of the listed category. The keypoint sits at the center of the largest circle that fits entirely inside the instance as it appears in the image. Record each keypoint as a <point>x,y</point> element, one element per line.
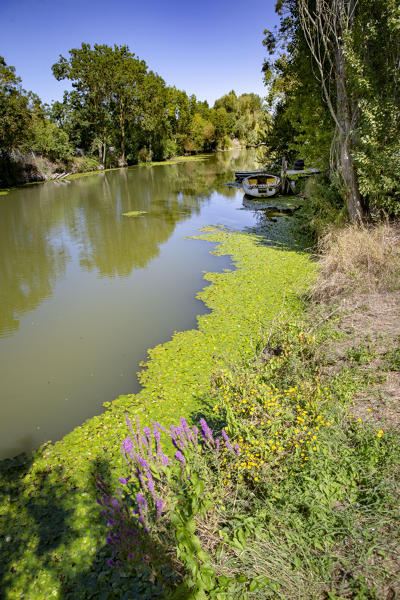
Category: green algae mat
<point>53,543</point>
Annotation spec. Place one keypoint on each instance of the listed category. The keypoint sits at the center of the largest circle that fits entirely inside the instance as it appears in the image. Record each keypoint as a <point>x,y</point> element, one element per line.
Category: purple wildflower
<point>179,456</point>
<point>142,505</point>
<point>147,433</point>
<point>217,444</point>
<point>164,460</point>
<point>173,433</point>
<point>115,503</point>
<point>123,480</point>
<point>156,433</point>
<point>159,507</point>
<point>109,541</point>
<point>110,522</point>
<point>237,449</point>
<point>206,431</point>
<point>110,562</point>
<point>227,440</point>
<point>127,446</point>
<point>143,463</point>
<point>187,430</point>
<point>150,484</point>
<point>131,556</point>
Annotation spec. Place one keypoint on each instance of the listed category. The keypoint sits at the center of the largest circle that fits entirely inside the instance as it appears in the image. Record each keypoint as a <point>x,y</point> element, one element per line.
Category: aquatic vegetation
<point>134,213</point>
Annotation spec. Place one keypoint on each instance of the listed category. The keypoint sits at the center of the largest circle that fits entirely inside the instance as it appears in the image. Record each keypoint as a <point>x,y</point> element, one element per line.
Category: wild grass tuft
<point>358,260</point>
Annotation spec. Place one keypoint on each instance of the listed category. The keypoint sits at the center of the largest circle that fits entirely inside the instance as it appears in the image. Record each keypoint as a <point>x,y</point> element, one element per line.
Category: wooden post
<point>284,181</point>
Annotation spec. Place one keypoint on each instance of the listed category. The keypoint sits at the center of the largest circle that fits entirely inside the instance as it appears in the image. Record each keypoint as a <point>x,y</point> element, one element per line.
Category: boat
<point>240,175</point>
<point>261,185</point>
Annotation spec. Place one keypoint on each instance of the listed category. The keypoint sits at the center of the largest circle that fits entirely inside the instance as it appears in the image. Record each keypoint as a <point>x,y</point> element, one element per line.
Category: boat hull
<point>261,186</point>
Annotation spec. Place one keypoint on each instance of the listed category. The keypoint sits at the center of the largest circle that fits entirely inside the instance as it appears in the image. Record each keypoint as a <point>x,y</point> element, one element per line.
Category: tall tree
<point>15,116</point>
<point>326,26</point>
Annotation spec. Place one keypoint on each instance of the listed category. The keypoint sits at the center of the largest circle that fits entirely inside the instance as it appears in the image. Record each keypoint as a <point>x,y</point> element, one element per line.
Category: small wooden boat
<point>240,175</point>
<point>261,186</point>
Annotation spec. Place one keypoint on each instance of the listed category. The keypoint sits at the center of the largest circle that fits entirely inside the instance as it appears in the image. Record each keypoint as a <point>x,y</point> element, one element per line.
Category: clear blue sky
<point>205,48</point>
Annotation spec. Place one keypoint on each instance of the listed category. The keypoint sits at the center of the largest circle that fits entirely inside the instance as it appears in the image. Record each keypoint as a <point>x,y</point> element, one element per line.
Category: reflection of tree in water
<point>31,258</point>
<point>113,244</point>
<point>34,253</point>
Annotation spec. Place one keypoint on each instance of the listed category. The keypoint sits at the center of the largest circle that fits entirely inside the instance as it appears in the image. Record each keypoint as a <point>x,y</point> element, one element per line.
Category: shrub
<point>145,155</point>
<point>83,164</point>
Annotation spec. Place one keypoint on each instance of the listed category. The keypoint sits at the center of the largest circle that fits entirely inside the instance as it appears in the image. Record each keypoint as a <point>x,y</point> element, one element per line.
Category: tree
<point>15,116</point>
<point>106,82</point>
<point>326,26</point>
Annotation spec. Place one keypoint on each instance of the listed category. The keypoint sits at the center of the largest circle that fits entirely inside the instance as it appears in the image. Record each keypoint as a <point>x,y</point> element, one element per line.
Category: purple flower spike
<point>237,449</point>
<point>150,484</point>
<point>206,431</point>
<point>187,430</point>
<point>159,507</point>
<point>227,440</point>
<point>217,444</point>
<point>123,480</point>
<point>127,445</point>
<point>115,503</point>
<point>164,460</point>
<point>156,433</point>
<point>147,432</point>
<point>142,505</point>
<point>179,456</point>
<point>110,562</point>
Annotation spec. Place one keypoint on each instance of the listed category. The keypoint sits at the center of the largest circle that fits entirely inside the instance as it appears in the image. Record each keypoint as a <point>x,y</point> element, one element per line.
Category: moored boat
<point>261,185</point>
<point>240,175</point>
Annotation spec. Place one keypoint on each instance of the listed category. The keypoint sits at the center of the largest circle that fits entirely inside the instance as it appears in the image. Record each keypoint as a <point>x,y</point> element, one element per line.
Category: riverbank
<point>31,170</point>
<point>260,333</point>
<point>49,495</point>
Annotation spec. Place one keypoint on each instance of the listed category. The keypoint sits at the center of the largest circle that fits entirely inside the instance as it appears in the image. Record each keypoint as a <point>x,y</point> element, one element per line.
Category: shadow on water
<point>54,537</point>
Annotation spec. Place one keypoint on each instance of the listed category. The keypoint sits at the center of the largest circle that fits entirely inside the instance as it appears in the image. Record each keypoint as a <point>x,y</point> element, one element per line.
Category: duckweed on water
<point>55,533</point>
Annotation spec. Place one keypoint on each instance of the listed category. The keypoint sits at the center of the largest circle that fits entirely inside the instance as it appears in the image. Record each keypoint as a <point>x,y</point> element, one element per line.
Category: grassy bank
<point>307,509</point>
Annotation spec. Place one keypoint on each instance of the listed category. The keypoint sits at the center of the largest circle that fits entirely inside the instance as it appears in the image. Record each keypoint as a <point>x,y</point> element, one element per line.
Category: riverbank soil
<point>371,328</point>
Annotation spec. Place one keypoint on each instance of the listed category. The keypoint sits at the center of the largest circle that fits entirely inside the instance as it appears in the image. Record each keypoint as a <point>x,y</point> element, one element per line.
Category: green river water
<point>84,290</point>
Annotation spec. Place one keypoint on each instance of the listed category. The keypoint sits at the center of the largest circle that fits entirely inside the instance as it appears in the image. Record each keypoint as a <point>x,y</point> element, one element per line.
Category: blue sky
<point>205,48</point>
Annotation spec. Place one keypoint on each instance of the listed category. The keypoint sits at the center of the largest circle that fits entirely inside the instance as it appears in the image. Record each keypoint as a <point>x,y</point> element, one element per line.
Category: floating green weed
<point>134,213</point>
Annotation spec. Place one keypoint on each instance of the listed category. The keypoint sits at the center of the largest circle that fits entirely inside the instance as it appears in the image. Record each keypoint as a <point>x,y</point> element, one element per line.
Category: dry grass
<point>357,260</point>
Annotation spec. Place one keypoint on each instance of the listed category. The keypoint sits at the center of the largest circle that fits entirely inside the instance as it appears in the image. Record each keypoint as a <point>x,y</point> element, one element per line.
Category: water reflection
<point>33,255</point>
<point>84,290</point>
<point>41,227</point>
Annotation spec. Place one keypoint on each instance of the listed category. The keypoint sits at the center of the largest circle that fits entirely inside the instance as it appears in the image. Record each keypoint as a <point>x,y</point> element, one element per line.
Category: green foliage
<point>308,113</point>
<point>48,140</point>
<point>392,359</point>
<point>15,116</point>
<point>361,354</point>
<point>144,155</point>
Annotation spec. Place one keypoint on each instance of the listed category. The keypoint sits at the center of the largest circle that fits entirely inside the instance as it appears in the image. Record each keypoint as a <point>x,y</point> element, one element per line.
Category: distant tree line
<point>333,75</point>
<point>119,112</point>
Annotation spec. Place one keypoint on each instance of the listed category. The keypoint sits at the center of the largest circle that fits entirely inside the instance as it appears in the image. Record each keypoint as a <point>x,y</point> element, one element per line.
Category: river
<point>85,290</point>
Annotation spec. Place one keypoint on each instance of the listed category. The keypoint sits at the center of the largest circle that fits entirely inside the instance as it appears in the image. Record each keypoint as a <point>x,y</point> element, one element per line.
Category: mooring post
<point>284,182</point>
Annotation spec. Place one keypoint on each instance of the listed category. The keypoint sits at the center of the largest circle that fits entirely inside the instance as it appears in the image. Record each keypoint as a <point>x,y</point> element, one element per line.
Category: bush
<point>84,164</point>
<point>145,155</point>
<point>50,141</point>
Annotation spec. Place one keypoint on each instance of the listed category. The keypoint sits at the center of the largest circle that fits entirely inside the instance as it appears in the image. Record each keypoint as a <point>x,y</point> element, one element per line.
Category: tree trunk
<point>346,163</point>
